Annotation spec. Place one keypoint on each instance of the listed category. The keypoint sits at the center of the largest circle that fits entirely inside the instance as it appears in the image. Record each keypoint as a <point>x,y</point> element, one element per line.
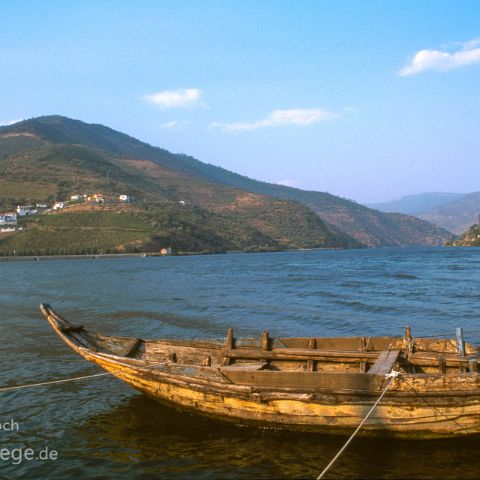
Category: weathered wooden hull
<point>405,415</point>
<point>415,405</point>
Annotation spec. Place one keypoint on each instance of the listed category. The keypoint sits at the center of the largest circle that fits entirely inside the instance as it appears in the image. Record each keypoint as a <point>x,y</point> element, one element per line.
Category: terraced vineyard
<point>77,233</point>
<point>109,219</point>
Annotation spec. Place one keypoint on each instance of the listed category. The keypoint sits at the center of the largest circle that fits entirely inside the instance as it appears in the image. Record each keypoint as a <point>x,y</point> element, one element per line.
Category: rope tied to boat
<point>390,377</point>
<point>65,380</point>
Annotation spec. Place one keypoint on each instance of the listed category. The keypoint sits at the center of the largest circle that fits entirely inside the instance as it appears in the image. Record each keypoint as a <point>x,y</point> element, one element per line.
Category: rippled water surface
<point>101,428</point>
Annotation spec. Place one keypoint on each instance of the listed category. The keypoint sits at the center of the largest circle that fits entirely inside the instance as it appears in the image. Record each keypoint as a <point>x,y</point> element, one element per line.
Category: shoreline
<point>99,256</point>
<point>42,258</point>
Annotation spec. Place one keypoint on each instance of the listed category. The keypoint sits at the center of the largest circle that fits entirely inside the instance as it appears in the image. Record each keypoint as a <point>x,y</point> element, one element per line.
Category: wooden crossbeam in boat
<point>384,362</point>
<point>245,367</point>
<point>303,380</point>
<point>297,354</point>
<point>431,359</point>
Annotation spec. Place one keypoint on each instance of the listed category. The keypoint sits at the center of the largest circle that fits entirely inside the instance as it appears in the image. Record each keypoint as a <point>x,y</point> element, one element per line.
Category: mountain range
<point>456,212</point>
<point>418,204</point>
<point>51,157</point>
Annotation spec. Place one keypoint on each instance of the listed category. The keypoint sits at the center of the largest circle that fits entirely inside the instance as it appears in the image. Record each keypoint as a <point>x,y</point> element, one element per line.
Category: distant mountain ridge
<point>455,212</point>
<point>418,203</point>
<point>164,175</point>
<point>456,216</point>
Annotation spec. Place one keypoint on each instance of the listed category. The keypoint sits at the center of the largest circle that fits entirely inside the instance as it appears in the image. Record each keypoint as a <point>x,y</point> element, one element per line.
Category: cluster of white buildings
<point>9,220</point>
<point>97,197</point>
<point>25,210</point>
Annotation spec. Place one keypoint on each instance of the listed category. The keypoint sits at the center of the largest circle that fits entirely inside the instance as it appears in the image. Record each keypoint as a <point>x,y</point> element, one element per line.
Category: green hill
<point>212,217</point>
<point>76,233</point>
<point>125,163</point>
<point>471,238</point>
<point>368,226</point>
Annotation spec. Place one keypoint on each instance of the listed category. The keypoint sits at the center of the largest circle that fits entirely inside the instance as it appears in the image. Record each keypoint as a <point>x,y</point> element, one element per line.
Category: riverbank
<point>31,258</point>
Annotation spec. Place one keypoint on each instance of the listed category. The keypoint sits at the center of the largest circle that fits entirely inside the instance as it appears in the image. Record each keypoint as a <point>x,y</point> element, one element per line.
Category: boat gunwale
<point>148,367</point>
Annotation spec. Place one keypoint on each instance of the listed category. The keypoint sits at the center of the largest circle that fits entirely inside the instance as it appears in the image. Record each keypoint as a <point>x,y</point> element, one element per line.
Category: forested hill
<point>369,226</point>
<point>52,158</point>
<point>169,176</point>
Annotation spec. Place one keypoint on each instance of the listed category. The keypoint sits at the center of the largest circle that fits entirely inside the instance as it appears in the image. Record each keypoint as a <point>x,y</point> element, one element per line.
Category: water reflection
<point>143,435</point>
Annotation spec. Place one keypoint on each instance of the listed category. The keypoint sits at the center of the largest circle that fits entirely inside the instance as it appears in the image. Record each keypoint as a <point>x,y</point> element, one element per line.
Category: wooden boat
<point>309,384</point>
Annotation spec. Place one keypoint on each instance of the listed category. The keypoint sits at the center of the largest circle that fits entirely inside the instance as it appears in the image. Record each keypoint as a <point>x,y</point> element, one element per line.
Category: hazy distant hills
<point>458,215</point>
<point>418,204</point>
<point>455,212</point>
<point>51,156</point>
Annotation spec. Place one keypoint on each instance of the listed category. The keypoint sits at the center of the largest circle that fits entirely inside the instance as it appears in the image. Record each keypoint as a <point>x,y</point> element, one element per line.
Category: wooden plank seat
<point>296,354</point>
<point>432,358</point>
<point>247,367</point>
<point>384,362</point>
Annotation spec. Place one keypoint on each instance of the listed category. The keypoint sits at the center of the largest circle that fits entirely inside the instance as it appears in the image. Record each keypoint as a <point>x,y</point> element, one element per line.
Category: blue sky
<point>369,100</point>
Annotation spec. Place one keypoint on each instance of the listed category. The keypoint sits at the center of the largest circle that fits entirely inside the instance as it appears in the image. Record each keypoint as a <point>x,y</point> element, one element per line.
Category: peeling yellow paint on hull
<point>391,418</point>
<point>422,406</point>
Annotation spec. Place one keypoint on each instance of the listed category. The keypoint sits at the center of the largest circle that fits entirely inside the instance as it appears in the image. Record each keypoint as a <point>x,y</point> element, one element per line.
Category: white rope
<point>392,375</point>
<point>74,379</point>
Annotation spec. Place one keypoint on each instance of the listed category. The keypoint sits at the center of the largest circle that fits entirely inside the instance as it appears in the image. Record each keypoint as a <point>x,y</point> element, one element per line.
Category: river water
<point>101,428</point>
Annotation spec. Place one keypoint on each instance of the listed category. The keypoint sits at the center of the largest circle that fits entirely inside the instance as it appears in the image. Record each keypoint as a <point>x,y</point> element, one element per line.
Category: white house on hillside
<point>24,210</point>
<point>77,198</point>
<point>8,218</point>
<point>97,197</point>
<point>125,198</point>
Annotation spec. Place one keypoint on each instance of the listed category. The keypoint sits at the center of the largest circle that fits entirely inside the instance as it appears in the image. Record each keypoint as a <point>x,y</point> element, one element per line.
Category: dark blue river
<point>101,428</point>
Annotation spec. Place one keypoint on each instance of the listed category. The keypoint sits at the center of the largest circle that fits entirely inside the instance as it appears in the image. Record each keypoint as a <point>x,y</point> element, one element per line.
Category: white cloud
<point>175,123</point>
<point>183,97</point>
<point>280,118</point>
<point>5,123</point>
<point>169,124</point>
<point>439,60</point>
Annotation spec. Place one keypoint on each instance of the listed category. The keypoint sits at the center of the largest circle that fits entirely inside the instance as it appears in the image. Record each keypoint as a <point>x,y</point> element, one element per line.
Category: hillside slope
<point>180,177</point>
<point>135,229</point>
<point>471,238</point>
<point>371,227</point>
<point>219,217</point>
